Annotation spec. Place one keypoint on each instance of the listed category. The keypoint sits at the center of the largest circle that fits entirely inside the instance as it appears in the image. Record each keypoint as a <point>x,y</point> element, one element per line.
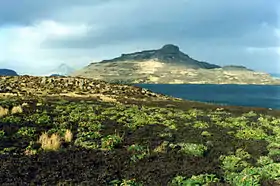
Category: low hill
<point>8,72</point>
<point>56,75</point>
<point>168,65</point>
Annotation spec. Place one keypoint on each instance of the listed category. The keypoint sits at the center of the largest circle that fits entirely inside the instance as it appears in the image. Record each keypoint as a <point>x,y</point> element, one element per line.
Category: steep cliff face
<point>169,65</point>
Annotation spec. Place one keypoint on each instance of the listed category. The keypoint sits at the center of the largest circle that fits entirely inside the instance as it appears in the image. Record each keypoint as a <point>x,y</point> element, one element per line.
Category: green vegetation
<point>138,152</point>
<point>69,141</point>
<point>110,141</point>
<point>202,179</point>
<point>190,148</point>
<point>125,182</point>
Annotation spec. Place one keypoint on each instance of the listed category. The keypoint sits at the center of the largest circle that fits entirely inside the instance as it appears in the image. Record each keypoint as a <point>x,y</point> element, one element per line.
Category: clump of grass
<point>190,148</point>
<point>52,143</point>
<point>235,162</point>
<point>29,150</point>
<point>2,134</point>
<point>125,182</point>
<point>107,99</point>
<point>266,170</point>
<point>202,179</point>
<point>250,114</point>
<point>200,125</point>
<point>264,160</point>
<point>248,176</point>
<point>16,109</point>
<point>68,136</point>
<point>3,111</point>
<point>26,131</point>
<point>138,152</point>
<point>273,148</point>
<point>25,104</point>
<point>251,133</point>
<point>161,148</point>
<point>110,141</point>
<point>205,133</point>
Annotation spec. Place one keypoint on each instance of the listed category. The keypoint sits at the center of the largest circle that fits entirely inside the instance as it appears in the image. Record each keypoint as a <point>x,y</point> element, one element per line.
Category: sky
<point>37,36</point>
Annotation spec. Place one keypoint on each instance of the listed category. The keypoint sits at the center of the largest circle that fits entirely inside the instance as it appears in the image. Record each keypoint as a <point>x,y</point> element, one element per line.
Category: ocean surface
<point>267,96</point>
<point>275,75</point>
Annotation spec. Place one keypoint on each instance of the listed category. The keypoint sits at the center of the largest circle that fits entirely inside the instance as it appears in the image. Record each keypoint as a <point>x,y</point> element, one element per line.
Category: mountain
<point>56,75</point>
<point>169,65</point>
<point>8,72</point>
<point>61,70</point>
<point>169,54</point>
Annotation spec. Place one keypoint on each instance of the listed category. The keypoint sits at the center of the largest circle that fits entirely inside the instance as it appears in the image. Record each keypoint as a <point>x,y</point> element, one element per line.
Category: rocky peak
<point>169,49</point>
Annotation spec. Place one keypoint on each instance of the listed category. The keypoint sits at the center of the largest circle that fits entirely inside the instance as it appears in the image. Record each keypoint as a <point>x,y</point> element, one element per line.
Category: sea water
<point>267,96</point>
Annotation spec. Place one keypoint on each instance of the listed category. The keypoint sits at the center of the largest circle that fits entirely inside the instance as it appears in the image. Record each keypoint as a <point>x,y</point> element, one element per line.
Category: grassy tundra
<point>136,138</point>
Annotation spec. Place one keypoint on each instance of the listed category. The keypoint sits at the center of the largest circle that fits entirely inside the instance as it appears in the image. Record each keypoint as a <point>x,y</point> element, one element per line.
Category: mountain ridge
<point>169,53</point>
<point>168,65</point>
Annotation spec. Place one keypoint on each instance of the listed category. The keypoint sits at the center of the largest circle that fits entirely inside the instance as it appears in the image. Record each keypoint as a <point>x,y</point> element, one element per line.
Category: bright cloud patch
<point>52,28</point>
<point>22,45</point>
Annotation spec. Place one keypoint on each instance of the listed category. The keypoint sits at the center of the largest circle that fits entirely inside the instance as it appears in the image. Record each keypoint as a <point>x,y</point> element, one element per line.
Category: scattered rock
<point>45,86</point>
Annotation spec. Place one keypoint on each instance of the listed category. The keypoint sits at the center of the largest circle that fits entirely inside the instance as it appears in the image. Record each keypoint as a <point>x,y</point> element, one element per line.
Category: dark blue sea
<point>267,96</point>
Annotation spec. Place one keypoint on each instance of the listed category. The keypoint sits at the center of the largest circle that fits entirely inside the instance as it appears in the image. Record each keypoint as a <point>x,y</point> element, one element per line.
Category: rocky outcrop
<point>169,65</point>
<point>69,86</point>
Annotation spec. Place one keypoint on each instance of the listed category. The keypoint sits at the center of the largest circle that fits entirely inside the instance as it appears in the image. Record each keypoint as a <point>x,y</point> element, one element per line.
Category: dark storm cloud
<point>24,12</point>
<point>250,22</point>
<point>240,32</point>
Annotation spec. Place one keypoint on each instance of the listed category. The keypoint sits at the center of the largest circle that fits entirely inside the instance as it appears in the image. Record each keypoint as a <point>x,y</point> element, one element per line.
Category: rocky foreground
<point>28,86</point>
<point>169,65</point>
<point>77,131</point>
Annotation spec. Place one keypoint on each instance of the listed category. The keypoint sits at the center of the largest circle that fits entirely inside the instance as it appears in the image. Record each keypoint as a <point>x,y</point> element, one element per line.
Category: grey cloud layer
<point>215,30</point>
<point>27,11</point>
